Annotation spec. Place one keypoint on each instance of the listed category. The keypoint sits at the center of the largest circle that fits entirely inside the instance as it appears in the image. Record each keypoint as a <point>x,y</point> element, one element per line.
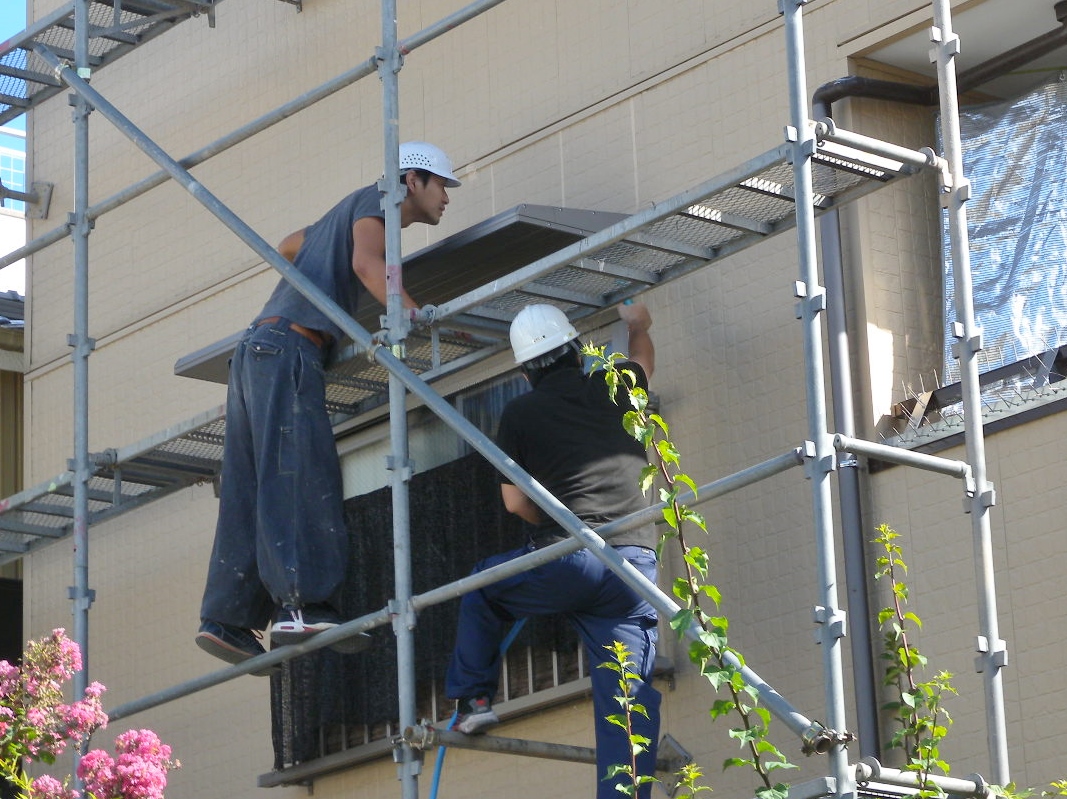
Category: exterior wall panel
<point>583,104</point>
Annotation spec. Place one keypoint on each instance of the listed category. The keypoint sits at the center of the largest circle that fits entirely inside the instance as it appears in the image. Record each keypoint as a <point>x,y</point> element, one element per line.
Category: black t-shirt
<point>567,434</point>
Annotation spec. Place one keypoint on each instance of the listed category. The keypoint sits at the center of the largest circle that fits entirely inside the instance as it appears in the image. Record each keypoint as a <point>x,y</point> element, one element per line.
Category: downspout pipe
<point>856,574</point>
<point>853,540</point>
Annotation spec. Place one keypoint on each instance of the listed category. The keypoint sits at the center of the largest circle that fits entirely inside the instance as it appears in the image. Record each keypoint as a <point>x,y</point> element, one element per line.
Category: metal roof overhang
<point>583,262</point>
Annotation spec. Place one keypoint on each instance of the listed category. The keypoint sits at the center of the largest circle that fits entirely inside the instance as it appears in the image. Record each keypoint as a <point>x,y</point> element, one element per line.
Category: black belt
<point>317,338</point>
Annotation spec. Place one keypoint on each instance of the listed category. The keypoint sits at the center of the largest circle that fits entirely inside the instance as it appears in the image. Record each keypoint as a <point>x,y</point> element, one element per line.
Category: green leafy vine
<point>711,653</point>
<point>918,708</point>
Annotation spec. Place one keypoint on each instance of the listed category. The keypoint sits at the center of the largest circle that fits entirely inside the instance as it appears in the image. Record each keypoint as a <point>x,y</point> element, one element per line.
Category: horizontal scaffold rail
<point>115,28</point>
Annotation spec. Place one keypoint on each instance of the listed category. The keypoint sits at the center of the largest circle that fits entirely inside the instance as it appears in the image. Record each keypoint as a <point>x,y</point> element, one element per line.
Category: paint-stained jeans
<point>280,537</point>
<point>602,609</point>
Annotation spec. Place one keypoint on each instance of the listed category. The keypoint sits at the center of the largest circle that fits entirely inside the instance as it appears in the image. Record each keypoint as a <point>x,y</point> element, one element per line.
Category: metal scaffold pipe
<point>903,457</point>
<point>426,737</point>
<point>390,63</point>
<point>827,130</point>
<point>80,226</point>
<point>869,769</point>
<point>992,651</point>
<point>819,450</point>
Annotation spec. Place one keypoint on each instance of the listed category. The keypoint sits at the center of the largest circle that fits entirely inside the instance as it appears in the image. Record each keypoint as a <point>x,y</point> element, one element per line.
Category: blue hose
<point>439,763</point>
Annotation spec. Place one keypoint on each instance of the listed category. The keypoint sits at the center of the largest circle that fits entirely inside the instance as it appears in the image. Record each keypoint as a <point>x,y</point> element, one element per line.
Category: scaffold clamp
<point>421,736</point>
<point>997,656</point>
<point>83,600</point>
<point>829,619</point>
<point>818,740</point>
<point>815,298</point>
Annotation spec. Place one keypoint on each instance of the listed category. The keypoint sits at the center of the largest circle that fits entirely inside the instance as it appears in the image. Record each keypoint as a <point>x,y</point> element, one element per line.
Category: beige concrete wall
<point>1028,554</point>
<point>579,103</point>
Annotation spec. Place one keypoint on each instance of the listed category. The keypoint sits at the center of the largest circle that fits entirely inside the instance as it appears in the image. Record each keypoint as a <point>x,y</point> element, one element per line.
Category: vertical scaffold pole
<point>389,65</point>
<point>80,594</point>
<point>992,651</point>
<point>820,455</point>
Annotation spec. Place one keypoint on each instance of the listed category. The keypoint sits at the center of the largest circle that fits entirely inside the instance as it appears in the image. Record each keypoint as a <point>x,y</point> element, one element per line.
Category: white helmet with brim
<point>538,330</point>
<point>423,155</point>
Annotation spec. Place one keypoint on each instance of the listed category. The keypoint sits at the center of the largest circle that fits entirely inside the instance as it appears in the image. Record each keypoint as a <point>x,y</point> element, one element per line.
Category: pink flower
<point>97,771</point>
<point>46,787</point>
<point>10,679</point>
<point>80,719</point>
<point>36,724</point>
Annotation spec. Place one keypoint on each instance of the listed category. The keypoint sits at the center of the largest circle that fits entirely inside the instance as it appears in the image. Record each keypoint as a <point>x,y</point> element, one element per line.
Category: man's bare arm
<point>368,258</point>
<point>518,503</point>
<point>638,321</point>
<point>291,245</point>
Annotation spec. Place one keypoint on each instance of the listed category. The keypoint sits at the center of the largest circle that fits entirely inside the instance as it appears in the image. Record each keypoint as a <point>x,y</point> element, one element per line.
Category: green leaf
<point>777,792</point>
<point>711,591</point>
<point>721,707</point>
<point>684,478</point>
<point>693,517</point>
<point>648,477</point>
<point>682,620</point>
<point>698,559</point>
<point>668,452</point>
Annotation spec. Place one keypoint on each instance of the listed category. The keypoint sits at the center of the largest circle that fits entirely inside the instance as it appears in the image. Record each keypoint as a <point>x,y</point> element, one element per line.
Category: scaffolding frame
<point>817,453</point>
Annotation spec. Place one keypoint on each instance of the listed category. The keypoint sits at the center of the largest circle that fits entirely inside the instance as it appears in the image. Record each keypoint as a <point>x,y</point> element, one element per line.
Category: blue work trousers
<point>602,609</point>
<point>280,537</point>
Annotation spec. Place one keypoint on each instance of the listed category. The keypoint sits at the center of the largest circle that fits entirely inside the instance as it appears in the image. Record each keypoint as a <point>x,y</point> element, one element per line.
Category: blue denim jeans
<point>280,537</point>
<point>602,609</point>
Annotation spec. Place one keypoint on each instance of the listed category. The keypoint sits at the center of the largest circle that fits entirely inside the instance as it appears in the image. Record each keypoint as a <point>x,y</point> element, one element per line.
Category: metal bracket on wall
<point>37,199</point>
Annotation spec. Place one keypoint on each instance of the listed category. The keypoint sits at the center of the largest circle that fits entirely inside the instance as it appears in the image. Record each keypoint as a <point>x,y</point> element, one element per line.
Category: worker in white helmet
<point>280,542</point>
<point>567,433</point>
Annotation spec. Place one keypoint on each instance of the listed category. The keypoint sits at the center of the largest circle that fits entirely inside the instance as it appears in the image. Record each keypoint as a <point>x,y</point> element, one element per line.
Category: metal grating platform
<point>116,27</point>
<point>124,479</point>
<point>583,262</point>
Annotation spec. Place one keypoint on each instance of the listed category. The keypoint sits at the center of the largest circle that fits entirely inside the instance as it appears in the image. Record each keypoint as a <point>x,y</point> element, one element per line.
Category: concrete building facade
<point>581,104</point>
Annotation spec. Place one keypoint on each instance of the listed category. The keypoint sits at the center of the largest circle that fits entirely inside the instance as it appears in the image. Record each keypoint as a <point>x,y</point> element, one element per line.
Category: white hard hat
<point>423,155</point>
<point>539,329</point>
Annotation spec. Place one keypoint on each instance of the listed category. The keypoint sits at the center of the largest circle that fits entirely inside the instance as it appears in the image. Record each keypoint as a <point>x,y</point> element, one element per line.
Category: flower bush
<point>37,725</point>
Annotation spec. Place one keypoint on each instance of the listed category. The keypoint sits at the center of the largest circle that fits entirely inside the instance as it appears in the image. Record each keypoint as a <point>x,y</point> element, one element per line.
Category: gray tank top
<point>326,258</point>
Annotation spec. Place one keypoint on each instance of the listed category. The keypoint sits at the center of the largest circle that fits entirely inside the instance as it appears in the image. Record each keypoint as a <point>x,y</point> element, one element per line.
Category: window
<point>13,175</point>
<point>326,703</point>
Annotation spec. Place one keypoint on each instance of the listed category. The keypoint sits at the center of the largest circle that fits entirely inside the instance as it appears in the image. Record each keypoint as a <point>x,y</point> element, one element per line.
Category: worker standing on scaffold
<point>280,542</point>
<point>567,433</point>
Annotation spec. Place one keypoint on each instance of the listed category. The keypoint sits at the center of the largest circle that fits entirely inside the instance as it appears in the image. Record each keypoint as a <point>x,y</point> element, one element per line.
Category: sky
<point>12,20</point>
